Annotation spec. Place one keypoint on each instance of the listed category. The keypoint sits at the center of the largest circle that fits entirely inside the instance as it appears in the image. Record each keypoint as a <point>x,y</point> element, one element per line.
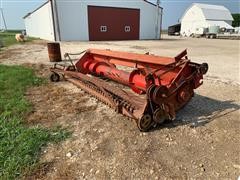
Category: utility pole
<point>158,19</point>
<point>3,18</point>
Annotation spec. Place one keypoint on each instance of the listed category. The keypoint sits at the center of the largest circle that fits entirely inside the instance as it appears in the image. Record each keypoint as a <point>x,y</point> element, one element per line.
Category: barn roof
<point>213,12</point>
<point>28,14</point>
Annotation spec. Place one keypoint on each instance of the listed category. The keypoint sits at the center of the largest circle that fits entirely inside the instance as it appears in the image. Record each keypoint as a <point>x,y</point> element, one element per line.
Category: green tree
<point>236,21</point>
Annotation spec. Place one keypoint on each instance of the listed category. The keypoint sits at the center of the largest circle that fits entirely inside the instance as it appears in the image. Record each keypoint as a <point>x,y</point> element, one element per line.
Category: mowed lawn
<point>20,145</point>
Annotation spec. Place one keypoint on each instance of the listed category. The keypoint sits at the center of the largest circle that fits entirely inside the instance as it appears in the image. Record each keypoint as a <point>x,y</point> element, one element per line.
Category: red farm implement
<point>158,86</point>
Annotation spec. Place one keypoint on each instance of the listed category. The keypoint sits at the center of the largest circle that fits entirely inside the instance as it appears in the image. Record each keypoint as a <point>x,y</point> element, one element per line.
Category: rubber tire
<point>55,77</point>
<point>148,126</point>
<point>155,116</point>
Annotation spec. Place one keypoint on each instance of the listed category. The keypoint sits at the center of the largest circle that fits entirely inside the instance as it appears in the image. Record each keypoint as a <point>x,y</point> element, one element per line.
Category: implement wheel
<point>145,123</point>
<point>55,77</point>
<point>159,116</point>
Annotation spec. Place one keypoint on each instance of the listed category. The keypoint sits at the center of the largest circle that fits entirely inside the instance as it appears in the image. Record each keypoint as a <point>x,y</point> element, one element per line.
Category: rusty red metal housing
<point>160,85</point>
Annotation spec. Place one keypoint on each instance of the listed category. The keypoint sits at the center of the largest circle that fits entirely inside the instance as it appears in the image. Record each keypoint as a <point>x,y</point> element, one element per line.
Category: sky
<point>14,10</point>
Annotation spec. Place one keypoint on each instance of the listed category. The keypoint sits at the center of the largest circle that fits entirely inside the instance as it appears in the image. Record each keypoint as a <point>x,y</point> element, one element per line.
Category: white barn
<point>203,16</point>
<point>60,20</point>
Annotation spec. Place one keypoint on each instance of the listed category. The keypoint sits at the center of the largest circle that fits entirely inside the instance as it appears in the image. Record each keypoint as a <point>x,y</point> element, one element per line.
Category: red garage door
<point>109,23</point>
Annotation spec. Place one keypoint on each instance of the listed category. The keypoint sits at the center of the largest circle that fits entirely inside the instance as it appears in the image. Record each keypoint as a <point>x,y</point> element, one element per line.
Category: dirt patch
<point>40,171</point>
<point>34,53</point>
<point>51,102</point>
<point>9,53</point>
<point>42,70</point>
<point>39,42</point>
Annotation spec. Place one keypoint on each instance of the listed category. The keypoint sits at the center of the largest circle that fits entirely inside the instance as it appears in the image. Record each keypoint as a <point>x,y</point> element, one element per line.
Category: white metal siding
<point>192,20</point>
<point>73,19</point>
<point>39,23</point>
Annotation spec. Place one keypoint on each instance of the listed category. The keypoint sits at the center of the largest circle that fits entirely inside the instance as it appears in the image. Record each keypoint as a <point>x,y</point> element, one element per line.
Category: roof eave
<point>28,14</point>
<point>152,4</point>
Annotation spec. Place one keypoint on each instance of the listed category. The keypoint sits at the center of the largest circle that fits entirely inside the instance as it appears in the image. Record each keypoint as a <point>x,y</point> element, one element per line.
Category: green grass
<point>20,145</point>
<point>8,38</point>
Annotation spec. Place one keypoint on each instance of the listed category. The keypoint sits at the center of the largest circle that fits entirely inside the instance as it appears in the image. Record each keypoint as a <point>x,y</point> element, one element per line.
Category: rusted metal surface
<point>54,52</point>
<point>160,86</point>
